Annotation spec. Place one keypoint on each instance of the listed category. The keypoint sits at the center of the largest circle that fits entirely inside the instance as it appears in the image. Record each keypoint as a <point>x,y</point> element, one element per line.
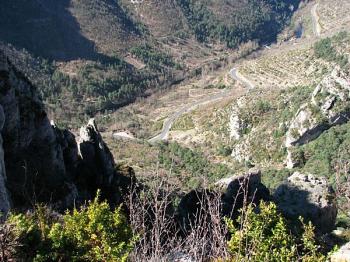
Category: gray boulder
<point>242,188</point>
<point>231,193</point>
<point>342,255</point>
<point>310,197</point>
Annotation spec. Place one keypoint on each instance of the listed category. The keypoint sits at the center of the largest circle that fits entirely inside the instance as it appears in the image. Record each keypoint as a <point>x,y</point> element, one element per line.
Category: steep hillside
<point>234,22</point>
<point>218,105</point>
<point>66,30</point>
<point>40,162</point>
<point>71,29</point>
<point>296,92</point>
<point>76,90</point>
<point>107,53</point>
<point>106,24</point>
<point>161,18</point>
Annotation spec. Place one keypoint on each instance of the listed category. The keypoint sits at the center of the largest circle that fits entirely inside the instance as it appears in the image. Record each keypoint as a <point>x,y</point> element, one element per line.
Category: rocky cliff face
<point>34,160</point>
<point>42,162</point>
<point>310,197</point>
<point>328,106</point>
<point>4,197</point>
<point>236,124</point>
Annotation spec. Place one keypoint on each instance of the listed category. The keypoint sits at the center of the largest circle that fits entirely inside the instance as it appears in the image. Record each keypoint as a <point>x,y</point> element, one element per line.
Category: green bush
<point>272,178</point>
<point>322,154</point>
<point>224,150</point>
<point>191,162</point>
<point>265,236</point>
<point>326,50</point>
<point>93,233</point>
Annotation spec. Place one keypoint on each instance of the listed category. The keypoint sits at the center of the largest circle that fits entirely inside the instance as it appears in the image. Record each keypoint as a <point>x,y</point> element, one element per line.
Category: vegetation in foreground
<point>93,233</point>
<point>96,233</point>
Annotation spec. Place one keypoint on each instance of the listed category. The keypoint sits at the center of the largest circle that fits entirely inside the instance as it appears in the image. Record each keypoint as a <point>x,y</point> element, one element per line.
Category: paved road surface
<point>171,120</point>
<point>235,75</point>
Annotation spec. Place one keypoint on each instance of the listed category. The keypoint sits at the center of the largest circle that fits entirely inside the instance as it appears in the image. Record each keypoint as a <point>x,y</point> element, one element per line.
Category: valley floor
<point>197,115</point>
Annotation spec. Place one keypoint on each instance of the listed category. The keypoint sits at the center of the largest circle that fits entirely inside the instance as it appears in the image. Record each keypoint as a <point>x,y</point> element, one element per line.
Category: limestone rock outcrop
<point>328,106</point>
<point>342,255</point>
<point>241,151</point>
<point>229,194</point>
<point>310,197</point>
<point>95,155</point>
<point>97,168</point>
<point>34,161</point>
<point>245,187</point>
<point>41,163</point>
<point>236,124</point>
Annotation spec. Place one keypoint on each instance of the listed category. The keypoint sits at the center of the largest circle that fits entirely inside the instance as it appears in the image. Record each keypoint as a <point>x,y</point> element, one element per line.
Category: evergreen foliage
<point>94,233</point>
<point>265,236</point>
<point>250,21</point>
<point>193,162</point>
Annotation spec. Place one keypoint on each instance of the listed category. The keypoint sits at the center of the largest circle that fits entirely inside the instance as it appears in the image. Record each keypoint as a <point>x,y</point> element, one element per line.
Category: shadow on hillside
<point>46,29</point>
<point>294,203</point>
<point>291,201</point>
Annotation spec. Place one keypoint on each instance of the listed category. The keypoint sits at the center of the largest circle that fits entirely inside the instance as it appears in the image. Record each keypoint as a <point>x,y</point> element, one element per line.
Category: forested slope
<point>91,56</point>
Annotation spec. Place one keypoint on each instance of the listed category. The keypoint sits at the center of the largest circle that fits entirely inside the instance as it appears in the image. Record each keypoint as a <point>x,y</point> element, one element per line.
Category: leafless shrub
<point>206,238</point>
<point>153,221</point>
<point>163,234</point>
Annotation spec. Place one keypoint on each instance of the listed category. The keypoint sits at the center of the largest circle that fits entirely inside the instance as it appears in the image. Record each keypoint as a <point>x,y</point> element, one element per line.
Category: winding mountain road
<point>238,77</point>
<point>316,27</point>
<point>212,98</point>
<point>171,120</point>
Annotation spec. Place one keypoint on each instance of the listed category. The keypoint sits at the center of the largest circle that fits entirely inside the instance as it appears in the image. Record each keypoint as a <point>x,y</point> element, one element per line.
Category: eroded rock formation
<point>34,161</point>
<point>329,106</point>
<point>237,125</point>
<point>228,196</point>
<point>240,189</point>
<point>310,197</point>
<point>95,155</point>
<point>41,163</point>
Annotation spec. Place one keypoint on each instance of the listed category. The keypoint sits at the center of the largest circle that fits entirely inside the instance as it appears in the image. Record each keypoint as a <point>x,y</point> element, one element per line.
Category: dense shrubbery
<point>94,233</point>
<point>272,178</point>
<point>92,87</point>
<point>153,58</point>
<point>180,159</point>
<point>322,155</point>
<point>265,236</point>
<point>326,49</point>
